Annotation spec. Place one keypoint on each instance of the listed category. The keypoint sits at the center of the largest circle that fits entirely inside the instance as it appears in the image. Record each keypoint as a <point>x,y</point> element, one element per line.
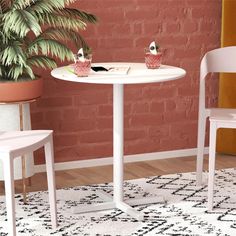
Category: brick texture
<point>158,117</point>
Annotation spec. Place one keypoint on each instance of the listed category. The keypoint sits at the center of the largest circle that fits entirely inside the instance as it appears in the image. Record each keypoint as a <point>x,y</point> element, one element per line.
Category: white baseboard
<point>127,159</point>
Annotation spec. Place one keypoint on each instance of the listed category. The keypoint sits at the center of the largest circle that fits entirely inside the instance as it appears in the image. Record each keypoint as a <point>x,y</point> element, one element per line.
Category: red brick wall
<point>158,117</point>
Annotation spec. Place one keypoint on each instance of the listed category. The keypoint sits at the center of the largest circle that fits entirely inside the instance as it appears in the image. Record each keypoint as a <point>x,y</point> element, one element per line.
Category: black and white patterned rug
<point>184,214</point>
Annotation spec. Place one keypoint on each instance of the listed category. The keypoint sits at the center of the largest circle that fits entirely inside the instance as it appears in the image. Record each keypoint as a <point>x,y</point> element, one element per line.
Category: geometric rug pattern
<point>184,212</point>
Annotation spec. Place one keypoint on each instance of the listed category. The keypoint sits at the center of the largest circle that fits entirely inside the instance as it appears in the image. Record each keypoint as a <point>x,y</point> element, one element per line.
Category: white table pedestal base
<point>123,206</point>
<point>135,201</point>
<point>109,206</point>
<point>118,166</point>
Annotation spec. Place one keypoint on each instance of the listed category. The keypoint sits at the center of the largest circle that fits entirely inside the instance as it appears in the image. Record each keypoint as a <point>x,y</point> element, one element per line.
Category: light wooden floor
<point>136,170</point>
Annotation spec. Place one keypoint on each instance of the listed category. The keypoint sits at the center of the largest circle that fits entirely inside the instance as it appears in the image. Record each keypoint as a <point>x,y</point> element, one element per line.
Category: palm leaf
<point>1,71</point>
<point>65,35</point>
<point>42,61</point>
<point>50,47</point>
<point>17,71</point>
<point>61,22</point>
<point>13,54</point>
<point>4,5</point>
<point>37,4</point>
<point>75,13</point>
<point>28,71</point>
<point>21,4</point>
<point>67,2</point>
<point>45,6</point>
<point>2,39</point>
<point>20,22</point>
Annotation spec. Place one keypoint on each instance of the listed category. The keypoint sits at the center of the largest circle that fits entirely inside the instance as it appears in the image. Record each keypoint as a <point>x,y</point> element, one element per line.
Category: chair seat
<point>223,114</point>
<point>18,141</point>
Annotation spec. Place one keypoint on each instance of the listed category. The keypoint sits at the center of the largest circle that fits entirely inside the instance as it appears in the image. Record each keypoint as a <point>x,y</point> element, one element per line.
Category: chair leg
<point>49,156</point>
<point>211,174</point>
<point>200,148</point>
<point>9,193</point>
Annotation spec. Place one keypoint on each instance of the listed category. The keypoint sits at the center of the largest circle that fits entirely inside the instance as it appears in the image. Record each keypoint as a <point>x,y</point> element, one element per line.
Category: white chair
<point>218,60</point>
<point>18,143</point>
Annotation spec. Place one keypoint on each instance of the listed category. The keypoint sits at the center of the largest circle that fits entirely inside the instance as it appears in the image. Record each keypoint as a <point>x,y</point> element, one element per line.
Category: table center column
<point>118,141</point>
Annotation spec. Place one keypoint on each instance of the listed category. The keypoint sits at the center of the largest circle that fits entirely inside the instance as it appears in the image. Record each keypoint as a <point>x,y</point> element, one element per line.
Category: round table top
<point>137,74</point>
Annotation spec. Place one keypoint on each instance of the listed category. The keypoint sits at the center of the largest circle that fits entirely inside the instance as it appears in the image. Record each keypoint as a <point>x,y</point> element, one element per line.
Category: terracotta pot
<point>21,90</point>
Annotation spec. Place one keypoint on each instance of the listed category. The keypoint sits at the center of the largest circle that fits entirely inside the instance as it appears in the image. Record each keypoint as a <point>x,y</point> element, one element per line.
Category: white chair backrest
<point>218,60</point>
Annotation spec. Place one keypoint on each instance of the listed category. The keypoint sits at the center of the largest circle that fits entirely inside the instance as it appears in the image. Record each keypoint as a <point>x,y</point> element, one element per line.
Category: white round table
<point>137,74</point>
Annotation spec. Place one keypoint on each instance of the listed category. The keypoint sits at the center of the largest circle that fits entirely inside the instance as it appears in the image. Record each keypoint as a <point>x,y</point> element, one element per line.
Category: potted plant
<point>34,33</point>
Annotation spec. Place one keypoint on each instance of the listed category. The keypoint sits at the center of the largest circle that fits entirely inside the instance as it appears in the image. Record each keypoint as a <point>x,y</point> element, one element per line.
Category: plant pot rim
<point>20,80</point>
<point>17,91</point>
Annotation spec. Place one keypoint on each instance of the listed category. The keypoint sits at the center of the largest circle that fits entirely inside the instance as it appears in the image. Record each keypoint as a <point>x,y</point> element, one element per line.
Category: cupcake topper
<point>153,48</point>
<point>80,55</point>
